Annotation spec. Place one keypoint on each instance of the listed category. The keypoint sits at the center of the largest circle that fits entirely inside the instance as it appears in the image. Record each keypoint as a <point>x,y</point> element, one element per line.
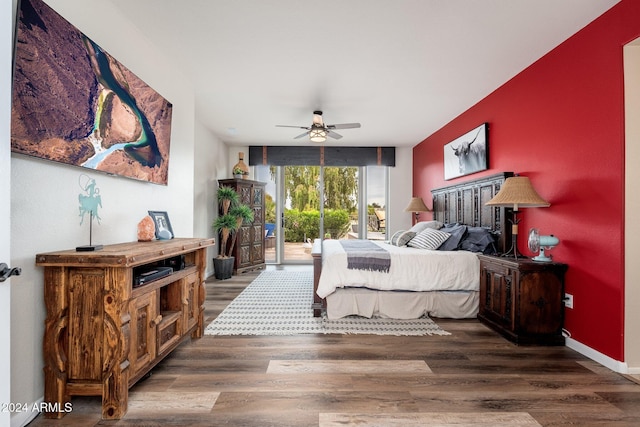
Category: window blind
<point>321,156</point>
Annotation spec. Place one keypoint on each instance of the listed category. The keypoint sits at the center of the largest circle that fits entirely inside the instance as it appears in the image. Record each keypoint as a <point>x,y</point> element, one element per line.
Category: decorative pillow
<point>402,237</point>
<point>478,239</point>
<point>457,232</point>
<point>420,226</point>
<point>429,239</point>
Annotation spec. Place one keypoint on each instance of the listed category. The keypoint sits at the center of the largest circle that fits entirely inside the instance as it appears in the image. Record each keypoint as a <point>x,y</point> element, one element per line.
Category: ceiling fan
<point>318,131</point>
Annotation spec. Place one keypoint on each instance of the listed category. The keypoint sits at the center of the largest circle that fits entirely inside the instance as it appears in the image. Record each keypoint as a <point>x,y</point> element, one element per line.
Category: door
<point>5,205</point>
<point>191,309</point>
<point>291,212</point>
<point>351,200</point>
<point>144,320</point>
<point>299,212</point>
<point>496,294</point>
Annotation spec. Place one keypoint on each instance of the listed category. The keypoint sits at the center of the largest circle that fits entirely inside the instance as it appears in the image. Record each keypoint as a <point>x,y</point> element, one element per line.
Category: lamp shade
<point>317,134</point>
<point>417,205</point>
<point>517,191</point>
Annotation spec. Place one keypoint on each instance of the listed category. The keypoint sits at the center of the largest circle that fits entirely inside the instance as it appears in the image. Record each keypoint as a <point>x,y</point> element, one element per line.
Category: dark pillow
<point>457,232</point>
<point>478,239</point>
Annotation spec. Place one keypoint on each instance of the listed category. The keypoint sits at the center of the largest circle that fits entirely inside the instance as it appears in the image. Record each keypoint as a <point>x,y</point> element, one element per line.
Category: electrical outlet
<point>568,300</point>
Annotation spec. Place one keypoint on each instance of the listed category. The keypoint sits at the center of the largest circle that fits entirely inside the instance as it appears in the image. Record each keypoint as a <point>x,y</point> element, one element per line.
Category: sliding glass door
<point>300,212</point>
<point>304,203</point>
<point>376,202</point>
<point>269,175</point>
<point>340,202</point>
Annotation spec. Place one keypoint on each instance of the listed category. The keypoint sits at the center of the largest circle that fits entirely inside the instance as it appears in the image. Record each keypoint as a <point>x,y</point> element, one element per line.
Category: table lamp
<point>416,205</point>
<point>517,192</point>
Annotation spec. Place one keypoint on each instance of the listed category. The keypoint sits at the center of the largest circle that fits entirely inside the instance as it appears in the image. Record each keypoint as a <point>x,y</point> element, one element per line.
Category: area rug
<point>278,302</point>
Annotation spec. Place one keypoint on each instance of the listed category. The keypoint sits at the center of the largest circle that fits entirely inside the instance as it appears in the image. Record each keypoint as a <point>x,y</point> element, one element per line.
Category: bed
<point>394,283</point>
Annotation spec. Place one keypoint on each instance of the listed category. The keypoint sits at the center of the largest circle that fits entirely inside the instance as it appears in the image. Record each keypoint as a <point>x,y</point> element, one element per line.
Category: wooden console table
<point>102,333</point>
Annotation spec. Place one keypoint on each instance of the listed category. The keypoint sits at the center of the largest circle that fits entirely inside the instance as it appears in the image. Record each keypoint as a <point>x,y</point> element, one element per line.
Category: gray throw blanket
<point>366,255</point>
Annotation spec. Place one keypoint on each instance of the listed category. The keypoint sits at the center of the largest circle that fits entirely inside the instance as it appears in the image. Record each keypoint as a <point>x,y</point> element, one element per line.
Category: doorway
<point>632,204</point>
<point>304,203</point>
<point>5,207</point>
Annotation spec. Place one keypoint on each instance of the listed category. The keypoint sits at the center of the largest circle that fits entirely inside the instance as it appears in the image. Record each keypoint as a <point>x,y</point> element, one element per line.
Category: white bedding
<point>411,270</point>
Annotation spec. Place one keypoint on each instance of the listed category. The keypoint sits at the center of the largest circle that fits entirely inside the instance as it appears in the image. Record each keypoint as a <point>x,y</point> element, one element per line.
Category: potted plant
<point>227,197</point>
<point>241,213</point>
<point>225,225</point>
<point>223,263</point>
<point>239,173</point>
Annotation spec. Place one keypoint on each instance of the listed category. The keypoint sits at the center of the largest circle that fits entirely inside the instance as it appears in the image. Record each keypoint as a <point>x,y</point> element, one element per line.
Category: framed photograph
<point>163,225</point>
<point>467,154</point>
<point>74,103</point>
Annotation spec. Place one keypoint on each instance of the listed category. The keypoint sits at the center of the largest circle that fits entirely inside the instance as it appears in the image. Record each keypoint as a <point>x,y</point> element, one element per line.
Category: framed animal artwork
<point>468,153</point>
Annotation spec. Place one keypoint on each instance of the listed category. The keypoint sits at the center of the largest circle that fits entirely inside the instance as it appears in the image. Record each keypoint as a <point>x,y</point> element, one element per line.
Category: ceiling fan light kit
<point>318,131</point>
<point>317,134</point>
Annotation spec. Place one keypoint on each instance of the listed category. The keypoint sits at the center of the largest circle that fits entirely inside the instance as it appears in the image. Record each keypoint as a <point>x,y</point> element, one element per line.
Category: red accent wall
<point>561,123</point>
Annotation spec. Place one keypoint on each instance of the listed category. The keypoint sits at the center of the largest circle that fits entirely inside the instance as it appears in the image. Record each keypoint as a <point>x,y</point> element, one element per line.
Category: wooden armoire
<point>249,246</point>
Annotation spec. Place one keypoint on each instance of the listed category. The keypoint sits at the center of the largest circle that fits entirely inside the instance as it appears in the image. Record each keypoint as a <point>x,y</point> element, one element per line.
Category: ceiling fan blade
<point>301,135</point>
<point>333,135</point>
<point>297,127</point>
<point>344,126</point>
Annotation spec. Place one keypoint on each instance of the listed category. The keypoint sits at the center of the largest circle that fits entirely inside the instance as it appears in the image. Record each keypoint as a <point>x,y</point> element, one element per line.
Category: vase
<point>241,165</point>
<point>223,268</point>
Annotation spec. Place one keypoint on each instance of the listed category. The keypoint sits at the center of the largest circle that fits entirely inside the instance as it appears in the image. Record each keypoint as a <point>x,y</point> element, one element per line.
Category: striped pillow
<point>429,239</point>
<point>402,237</point>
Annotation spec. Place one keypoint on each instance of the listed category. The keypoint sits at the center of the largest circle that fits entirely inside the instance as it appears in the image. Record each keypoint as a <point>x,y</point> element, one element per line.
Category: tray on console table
<point>101,334</point>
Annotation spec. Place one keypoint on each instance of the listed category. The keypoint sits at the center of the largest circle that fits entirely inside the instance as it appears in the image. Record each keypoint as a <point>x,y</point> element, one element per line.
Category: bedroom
<point>569,80</point>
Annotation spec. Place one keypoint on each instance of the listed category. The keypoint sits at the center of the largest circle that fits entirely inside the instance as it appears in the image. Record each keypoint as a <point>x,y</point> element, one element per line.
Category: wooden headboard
<point>464,203</point>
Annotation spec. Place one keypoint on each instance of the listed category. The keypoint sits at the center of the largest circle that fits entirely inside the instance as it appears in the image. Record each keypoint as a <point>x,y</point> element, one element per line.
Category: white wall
<point>210,164</point>
<point>401,191</point>
<point>44,202</point>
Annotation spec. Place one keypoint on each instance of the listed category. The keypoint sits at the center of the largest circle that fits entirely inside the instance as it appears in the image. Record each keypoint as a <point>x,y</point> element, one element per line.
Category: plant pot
<point>223,267</point>
<point>237,176</point>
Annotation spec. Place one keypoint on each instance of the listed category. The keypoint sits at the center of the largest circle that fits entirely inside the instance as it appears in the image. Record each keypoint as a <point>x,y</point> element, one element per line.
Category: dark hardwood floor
<point>473,377</point>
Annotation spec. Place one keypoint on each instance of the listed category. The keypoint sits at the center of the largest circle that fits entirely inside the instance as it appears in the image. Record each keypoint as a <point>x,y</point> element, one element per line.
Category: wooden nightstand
<point>522,299</point>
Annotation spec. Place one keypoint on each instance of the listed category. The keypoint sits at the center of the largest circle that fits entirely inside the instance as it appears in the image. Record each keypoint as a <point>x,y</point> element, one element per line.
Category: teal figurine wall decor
<point>89,203</point>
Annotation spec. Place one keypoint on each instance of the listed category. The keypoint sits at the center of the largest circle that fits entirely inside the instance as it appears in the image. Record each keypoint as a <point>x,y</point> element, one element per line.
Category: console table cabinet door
<point>190,301</point>
<point>85,323</point>
<point>144,315</point>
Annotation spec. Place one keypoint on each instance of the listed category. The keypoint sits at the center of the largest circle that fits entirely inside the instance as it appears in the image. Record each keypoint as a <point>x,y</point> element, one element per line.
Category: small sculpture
<point>146,229</point>
<point>89,204</point>
<point>90,201</point>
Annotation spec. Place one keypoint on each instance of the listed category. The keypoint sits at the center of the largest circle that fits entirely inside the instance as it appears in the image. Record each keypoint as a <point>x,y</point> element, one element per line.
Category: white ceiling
<point>402,68</point>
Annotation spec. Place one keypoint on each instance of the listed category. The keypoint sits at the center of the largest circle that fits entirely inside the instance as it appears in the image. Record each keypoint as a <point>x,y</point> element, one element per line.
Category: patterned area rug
<point>278,302</point>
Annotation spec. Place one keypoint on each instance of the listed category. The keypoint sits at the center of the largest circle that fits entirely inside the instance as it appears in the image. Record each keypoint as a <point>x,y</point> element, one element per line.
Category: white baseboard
<point>614,365</point>
<point>21,419</point>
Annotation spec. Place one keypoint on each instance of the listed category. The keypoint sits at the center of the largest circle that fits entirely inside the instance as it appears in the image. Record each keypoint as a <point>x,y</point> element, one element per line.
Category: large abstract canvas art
<point>74,103</point>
